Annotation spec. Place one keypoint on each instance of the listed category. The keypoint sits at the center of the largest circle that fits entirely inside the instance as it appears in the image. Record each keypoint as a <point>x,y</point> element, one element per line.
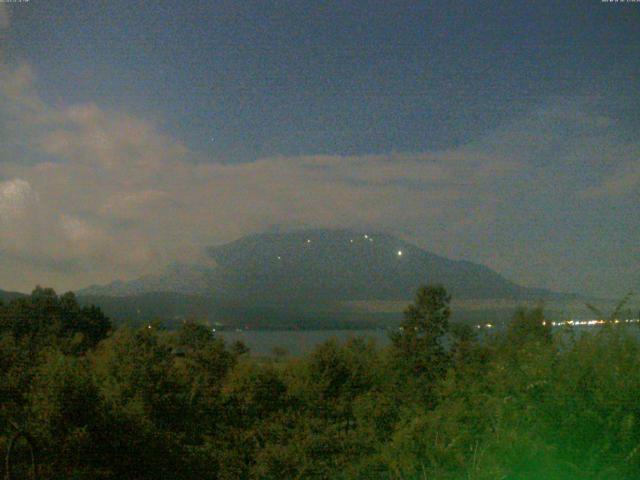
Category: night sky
<point>133,134</point>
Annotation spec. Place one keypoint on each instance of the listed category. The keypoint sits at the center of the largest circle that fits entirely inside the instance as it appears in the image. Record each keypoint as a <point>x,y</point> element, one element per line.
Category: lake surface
<point>296,342</point>
<point>300,342</point>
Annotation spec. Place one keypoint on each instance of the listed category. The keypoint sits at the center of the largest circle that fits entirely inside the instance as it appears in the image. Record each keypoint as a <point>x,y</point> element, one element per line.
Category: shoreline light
<point>579,323</point>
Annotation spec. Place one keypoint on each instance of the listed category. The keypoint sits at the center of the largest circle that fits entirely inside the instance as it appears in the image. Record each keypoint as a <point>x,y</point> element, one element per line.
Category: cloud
<point>119,198</point>
<point>89,194</point>
<point>4,17</point>
<point>15,195</point>
<point>623,180</point>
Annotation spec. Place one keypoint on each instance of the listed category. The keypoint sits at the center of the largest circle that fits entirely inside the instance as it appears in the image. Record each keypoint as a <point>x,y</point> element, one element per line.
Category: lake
<point>300,342</point>
<point>296,342</point>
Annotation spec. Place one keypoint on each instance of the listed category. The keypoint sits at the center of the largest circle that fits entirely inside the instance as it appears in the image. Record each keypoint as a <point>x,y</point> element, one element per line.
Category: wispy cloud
<point>624,179</point>
<point>96,194</point>
<point>98,170</point>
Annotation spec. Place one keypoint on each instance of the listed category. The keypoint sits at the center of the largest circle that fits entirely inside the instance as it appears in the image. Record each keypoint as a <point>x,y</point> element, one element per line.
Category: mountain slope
<point>321,266</point>
<point>324,265</point>
<point>309,279</point>
<point>6,297</point>
<point>176,278</point>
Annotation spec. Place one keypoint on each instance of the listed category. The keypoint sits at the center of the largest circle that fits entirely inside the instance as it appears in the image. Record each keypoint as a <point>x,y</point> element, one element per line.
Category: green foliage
<point>527,326</point>
<point>45,318</point>
<point>419,348</point>
<point>437,403</point>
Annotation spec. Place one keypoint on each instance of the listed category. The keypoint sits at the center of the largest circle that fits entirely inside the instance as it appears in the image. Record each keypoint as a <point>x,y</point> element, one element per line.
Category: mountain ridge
<point>8,296</point>
<point>321,265</point>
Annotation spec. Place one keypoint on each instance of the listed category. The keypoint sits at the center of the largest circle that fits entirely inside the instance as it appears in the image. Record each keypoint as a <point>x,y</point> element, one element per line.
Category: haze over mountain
<point>320,266</point>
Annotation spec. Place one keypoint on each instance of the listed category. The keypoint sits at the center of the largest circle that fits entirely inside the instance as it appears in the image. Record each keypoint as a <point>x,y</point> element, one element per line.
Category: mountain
<point>176,278</point>
<point>330,265</point>
<point>320,266</point>
<point>304,278</point>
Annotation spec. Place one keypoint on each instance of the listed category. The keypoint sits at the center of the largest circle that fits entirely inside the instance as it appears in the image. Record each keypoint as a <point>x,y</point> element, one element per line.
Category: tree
<point>238,348</point>
<point>529,325</point>
<point>419,344</point>
<point>194,335</point>
<point>148,407</point>
<point>45,318</point>
<point>65,415</point>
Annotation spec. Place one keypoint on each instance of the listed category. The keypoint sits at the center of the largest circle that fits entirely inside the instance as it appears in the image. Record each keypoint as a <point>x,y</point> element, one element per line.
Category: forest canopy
<point>94,402</point>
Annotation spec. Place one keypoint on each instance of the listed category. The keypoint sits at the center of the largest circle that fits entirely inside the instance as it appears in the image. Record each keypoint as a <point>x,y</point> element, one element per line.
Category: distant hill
<point>176,278</point>
<point>6,297</point>
<point>301,277</point>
